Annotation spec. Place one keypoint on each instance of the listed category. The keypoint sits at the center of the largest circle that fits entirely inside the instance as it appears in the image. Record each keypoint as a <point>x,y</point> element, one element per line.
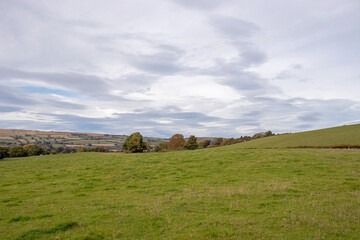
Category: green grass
<point>344,135</point>
<point>218,193</point>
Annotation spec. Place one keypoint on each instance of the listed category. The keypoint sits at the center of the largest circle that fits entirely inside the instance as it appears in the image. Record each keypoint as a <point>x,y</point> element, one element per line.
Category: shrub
<point>161,147</point>
<point>4,152</point>
<point>81,149</point>
<point>17,151</point>
<point>33,150</point>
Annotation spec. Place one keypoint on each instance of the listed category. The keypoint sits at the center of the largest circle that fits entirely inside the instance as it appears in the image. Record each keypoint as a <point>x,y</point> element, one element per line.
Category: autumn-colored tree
<point>176,142</point>
<point>134,143</point>
<point>191,143</point>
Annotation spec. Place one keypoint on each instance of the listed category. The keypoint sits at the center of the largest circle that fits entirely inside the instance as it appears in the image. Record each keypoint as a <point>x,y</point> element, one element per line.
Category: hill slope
<point>347,135</point>
<point>218,193</point>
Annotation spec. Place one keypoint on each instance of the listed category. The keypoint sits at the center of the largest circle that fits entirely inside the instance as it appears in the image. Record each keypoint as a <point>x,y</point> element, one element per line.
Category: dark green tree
<point>204,143</point>
<point>191,143</point>
<point>161,147</point>
<point>33,150</point>
<point>134,143</point>
<point>17,151</point>
<point>269,133</point>
<point>4,152</point>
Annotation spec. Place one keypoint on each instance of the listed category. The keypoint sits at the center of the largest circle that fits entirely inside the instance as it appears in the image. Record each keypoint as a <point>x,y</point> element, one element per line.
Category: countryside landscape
<point>268,188</point>
<point>179,119</point>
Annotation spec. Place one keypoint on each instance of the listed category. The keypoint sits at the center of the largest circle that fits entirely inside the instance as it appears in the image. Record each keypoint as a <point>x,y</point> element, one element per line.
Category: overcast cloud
<point>209,68</point>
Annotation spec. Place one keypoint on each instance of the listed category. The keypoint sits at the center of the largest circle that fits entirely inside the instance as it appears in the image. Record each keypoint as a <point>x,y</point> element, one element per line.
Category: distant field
<point>51,140</point>
<point>218,193</point>
<point>347,135</point>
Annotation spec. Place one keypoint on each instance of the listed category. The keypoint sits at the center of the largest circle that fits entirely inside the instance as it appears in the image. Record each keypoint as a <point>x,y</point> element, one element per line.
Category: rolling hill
<point>52,140</point>
<point>329,137</point>
<point>218,193</point>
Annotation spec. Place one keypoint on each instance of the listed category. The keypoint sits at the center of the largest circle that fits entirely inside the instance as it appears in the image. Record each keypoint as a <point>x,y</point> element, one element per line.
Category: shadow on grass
<point>36,234</point>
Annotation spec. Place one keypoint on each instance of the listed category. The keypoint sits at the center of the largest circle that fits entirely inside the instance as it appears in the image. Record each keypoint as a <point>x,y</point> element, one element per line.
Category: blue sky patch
<point>43,90</point>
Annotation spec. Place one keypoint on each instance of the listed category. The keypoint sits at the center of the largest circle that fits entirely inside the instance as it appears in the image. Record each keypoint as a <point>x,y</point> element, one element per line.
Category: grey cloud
<point>64,105</point>
<point>234,28</point>
<point>239,33</point>
<point>199,4</point>
<point>310,117</point>
<point>13,96</point>
<point>86,84</point>
<point>136,82</point>
<point>81,23</point>
<point>44,38</point>
<point>146,122</point>
<point>252,56</point>
<point>161,63</point>
<point>17,100</point>
<point>291,74</point>
<point>253,114</point>
<point>164,62</point>
<point>296,66</point>
<point>264,113</point>
<point>247,58</point>
<point>247,82</point>
<point>304,126</point>
<point>9,109</point>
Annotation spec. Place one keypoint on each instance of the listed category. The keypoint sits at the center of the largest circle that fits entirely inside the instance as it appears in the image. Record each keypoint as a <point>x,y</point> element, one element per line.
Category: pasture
<point>218,193</point>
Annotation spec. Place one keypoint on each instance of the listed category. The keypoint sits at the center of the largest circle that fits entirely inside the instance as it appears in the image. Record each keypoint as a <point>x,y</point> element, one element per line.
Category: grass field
<point>344,135</point>
<point>218,193</point>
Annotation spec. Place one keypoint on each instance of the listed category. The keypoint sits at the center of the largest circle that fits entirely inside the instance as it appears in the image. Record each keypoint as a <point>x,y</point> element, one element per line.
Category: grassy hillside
<point>219,193</point>
<point>348,135</point>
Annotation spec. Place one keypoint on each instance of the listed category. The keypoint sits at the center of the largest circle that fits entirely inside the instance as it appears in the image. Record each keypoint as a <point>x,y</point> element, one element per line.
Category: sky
<point>204,67</point>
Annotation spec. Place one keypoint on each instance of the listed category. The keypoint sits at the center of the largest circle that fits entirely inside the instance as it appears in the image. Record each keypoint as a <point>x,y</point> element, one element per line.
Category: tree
<point>269,133</point>
<point>4,152</point>
<point>204,143</point>
<point>191,143</point>
<point>17,151</point>
<point>81,149</point>
<point>33,150</point>
<point>176,142</point>
<point>218,141</point>
<point>228,141</point>
<point>134,143</point>
<point>161,147</point>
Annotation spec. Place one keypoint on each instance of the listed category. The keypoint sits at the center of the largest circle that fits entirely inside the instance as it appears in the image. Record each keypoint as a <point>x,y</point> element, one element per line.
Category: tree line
<point>135,143</point>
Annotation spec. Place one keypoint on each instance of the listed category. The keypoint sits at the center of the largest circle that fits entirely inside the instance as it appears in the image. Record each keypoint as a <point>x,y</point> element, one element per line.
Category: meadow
<point>220,193</point>
<point>348,135</point>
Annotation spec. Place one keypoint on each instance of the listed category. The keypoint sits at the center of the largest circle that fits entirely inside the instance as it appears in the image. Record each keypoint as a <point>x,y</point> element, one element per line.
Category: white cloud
<point>199,67</point>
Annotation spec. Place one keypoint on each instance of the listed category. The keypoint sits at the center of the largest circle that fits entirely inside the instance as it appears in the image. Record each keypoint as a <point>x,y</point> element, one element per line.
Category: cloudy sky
<point>204,67</point>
